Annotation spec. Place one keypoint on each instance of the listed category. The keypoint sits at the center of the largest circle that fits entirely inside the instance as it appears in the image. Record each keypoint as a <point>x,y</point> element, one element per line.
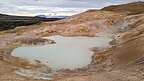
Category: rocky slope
<point>89,23</point>
<point>123,61</point>
<point>129,9</point>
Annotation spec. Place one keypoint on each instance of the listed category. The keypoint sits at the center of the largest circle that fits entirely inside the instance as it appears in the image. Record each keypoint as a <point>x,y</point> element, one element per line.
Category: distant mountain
<point>10,22</point>
<point>51,18</point>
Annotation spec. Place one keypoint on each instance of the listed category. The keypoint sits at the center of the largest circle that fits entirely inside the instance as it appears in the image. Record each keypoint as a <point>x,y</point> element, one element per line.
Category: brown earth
<point>129,9</point>
<point>124,61</point>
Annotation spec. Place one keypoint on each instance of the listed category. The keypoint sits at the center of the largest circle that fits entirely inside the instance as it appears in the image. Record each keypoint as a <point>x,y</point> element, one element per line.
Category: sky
<point>54,7</point>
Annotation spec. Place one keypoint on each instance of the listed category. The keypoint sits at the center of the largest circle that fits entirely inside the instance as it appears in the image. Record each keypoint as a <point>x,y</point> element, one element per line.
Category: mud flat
<point>67,53</point>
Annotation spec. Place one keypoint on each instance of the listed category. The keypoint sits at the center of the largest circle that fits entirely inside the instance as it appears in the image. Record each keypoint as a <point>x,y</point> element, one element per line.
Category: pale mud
<point>67,53</point>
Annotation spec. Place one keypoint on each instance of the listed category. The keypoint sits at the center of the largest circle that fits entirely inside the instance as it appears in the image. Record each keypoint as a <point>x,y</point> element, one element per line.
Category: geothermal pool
<point>67,53</point>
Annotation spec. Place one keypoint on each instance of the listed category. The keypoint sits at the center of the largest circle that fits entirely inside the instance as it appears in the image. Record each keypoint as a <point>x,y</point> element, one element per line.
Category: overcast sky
<point>60,7</point>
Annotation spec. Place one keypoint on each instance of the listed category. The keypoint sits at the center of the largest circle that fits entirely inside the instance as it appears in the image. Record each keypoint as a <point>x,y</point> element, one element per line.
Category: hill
<point>130,8</point>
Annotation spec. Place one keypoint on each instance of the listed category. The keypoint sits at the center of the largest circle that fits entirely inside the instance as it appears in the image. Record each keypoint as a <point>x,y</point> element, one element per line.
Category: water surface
<point>67,53</point>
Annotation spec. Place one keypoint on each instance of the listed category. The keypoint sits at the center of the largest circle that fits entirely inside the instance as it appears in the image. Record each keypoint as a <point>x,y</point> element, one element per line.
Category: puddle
<point>67,53</point>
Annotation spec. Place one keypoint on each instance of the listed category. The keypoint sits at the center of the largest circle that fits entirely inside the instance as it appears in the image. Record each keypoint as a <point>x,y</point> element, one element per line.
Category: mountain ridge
<point>129,8</point>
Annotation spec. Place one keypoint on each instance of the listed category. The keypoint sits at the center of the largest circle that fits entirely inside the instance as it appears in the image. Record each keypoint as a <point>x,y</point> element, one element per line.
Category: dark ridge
<point>11,22</point>
<point>92,10</point>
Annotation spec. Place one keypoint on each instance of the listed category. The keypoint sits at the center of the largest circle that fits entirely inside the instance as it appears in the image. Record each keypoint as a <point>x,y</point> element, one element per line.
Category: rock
<point>33,41</point>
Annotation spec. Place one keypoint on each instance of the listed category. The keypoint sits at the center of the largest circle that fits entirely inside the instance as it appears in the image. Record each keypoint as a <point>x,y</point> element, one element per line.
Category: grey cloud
<point>15,6</point>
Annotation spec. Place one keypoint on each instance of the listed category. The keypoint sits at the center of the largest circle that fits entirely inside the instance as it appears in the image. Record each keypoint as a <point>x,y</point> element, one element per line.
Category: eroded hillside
<point>123,61</point>
<point>85,24</point>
